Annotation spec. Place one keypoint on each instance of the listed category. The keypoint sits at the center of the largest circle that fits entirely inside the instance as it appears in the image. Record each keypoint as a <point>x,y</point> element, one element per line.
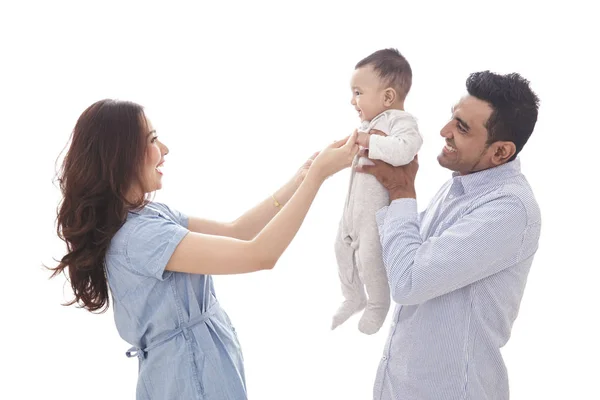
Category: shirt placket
<point>383,364</point>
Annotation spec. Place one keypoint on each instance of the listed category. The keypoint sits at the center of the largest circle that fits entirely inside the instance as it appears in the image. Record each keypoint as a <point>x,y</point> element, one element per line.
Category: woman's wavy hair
<point>104,159</point>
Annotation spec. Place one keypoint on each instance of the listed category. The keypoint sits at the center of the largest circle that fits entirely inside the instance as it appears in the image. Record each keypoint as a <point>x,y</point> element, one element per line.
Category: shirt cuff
<point>403,209</point>
<point>398,209</point>
<point>380,216</point>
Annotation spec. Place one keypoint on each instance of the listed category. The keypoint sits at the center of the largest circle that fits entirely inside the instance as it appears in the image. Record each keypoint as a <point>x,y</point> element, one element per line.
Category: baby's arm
<point>401,144</point>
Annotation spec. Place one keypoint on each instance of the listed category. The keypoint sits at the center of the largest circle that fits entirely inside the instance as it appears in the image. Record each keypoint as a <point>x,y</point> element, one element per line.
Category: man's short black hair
<point>514,104</point>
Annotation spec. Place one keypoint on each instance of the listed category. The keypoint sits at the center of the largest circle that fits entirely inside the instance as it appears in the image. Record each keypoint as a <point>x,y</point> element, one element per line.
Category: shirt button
<point>451,196</point>
<point>384,358</point>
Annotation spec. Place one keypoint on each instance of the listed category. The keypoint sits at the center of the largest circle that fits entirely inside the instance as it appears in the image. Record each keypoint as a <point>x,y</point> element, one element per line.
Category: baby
<point>379,84</point>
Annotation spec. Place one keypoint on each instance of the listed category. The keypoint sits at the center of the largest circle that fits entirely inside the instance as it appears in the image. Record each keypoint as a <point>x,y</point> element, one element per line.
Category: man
<point>458,270</point>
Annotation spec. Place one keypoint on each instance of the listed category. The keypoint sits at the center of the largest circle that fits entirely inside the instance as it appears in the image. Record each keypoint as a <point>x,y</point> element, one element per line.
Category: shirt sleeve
<point>483,242</point>
<point>151,243</point>
<point>401,144</point>
<point>179,217</point>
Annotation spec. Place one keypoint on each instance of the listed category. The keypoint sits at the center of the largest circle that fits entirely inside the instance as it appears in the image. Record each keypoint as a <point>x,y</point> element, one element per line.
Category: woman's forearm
<point>200,253</point>
<point>271,242</point>
<point>254,220</point>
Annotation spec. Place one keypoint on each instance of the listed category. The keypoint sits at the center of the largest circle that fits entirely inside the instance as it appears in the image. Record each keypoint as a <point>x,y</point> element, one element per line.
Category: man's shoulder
<point>518,187</point>
<point>513,194</point>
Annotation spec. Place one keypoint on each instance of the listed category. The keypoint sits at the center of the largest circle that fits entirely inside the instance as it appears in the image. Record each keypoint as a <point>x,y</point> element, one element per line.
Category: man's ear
<point>502,152</point>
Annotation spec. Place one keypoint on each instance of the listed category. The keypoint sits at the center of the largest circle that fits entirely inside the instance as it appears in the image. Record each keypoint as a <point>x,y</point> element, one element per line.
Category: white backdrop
<point>242,93</point>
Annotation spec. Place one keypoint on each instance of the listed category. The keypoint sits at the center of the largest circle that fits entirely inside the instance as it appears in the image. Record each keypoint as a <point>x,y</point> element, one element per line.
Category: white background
<point>242,93</point>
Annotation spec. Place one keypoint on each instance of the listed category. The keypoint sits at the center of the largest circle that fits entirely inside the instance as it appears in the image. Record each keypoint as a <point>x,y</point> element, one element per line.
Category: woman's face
<point>153,160</point>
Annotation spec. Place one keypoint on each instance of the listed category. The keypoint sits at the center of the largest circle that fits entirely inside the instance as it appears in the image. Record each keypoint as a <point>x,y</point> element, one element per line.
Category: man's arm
<point>480,244</point>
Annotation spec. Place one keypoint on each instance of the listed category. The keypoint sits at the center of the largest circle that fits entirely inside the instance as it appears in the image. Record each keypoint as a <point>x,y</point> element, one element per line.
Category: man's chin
<point>443,161</point>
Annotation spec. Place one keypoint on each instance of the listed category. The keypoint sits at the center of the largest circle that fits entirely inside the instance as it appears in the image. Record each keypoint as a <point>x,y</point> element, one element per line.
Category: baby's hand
<point>376,132</point>
<point>362,139</point>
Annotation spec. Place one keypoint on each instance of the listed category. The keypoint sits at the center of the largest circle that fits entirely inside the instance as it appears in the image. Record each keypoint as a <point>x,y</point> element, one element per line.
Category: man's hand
<point>398,181</point>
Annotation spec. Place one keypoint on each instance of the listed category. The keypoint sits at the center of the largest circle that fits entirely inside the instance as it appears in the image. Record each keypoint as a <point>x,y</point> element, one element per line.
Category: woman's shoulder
<point>142,222</point>
<point>159,209</point>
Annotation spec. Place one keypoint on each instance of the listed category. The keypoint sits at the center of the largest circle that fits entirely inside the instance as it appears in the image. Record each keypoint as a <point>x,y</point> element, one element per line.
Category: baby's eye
<point>356,93</point>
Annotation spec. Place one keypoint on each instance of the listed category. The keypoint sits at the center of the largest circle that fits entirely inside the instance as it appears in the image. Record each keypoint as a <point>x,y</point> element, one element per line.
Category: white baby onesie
<point>357,245</point>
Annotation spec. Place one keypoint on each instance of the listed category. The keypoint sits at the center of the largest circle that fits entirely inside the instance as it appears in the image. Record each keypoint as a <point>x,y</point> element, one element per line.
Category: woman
<point>158,262</point>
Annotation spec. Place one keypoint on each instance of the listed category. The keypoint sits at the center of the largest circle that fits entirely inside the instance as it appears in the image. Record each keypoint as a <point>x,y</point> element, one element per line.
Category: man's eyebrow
<point>462,122</point>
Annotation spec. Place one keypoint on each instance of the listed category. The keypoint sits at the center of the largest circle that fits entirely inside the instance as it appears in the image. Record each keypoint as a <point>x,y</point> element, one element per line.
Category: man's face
<point>466,136</point>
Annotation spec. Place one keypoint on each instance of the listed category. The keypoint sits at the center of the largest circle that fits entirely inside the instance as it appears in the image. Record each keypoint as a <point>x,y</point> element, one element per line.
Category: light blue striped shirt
<point>457,272</point>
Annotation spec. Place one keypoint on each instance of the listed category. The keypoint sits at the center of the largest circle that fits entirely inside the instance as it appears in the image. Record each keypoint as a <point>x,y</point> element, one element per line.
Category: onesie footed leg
<point>374,276</point>
<point>352,287</point>
<point>346,310</point>
<point>373,318</point>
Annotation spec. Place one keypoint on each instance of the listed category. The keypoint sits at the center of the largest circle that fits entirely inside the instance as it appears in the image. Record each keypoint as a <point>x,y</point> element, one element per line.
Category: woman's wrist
<point>285,193</point>
<point>296,181</point>
<point>315,176</point>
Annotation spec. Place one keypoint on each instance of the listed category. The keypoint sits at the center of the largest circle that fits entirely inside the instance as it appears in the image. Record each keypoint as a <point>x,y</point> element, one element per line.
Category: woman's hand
<point>335,157</point>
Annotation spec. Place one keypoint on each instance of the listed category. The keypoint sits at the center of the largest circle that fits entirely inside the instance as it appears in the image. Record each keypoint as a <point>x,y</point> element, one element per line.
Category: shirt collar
<point>488,176</point>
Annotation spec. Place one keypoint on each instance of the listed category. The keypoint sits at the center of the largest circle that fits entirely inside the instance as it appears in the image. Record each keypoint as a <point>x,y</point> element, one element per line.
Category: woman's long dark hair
<point>104,158</point>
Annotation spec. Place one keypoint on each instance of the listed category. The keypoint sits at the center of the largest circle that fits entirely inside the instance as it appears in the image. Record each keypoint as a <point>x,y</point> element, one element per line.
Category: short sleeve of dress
<point>151,243</point>
<point>177,215</point>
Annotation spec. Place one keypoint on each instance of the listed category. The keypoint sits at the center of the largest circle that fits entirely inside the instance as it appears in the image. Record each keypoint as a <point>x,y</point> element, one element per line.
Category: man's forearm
<point>481,243</point>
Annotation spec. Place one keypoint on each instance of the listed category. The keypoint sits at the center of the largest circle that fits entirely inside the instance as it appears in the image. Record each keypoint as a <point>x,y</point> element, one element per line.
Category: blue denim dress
<point>185,343</point>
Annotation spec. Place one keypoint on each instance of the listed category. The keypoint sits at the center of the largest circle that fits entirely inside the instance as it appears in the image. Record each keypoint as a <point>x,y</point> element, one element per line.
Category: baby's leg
<point>374,276</point>
<point>352,287</point>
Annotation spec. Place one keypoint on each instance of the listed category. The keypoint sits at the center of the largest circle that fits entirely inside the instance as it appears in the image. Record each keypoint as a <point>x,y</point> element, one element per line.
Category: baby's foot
<point>373,318</point>
<point>345,311</point>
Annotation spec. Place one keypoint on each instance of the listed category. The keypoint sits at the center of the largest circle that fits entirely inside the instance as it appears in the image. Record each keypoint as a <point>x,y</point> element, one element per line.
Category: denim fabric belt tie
<point>168,335</point>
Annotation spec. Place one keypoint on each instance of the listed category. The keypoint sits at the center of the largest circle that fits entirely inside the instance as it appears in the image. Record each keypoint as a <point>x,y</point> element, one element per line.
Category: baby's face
<point>367,93</point>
